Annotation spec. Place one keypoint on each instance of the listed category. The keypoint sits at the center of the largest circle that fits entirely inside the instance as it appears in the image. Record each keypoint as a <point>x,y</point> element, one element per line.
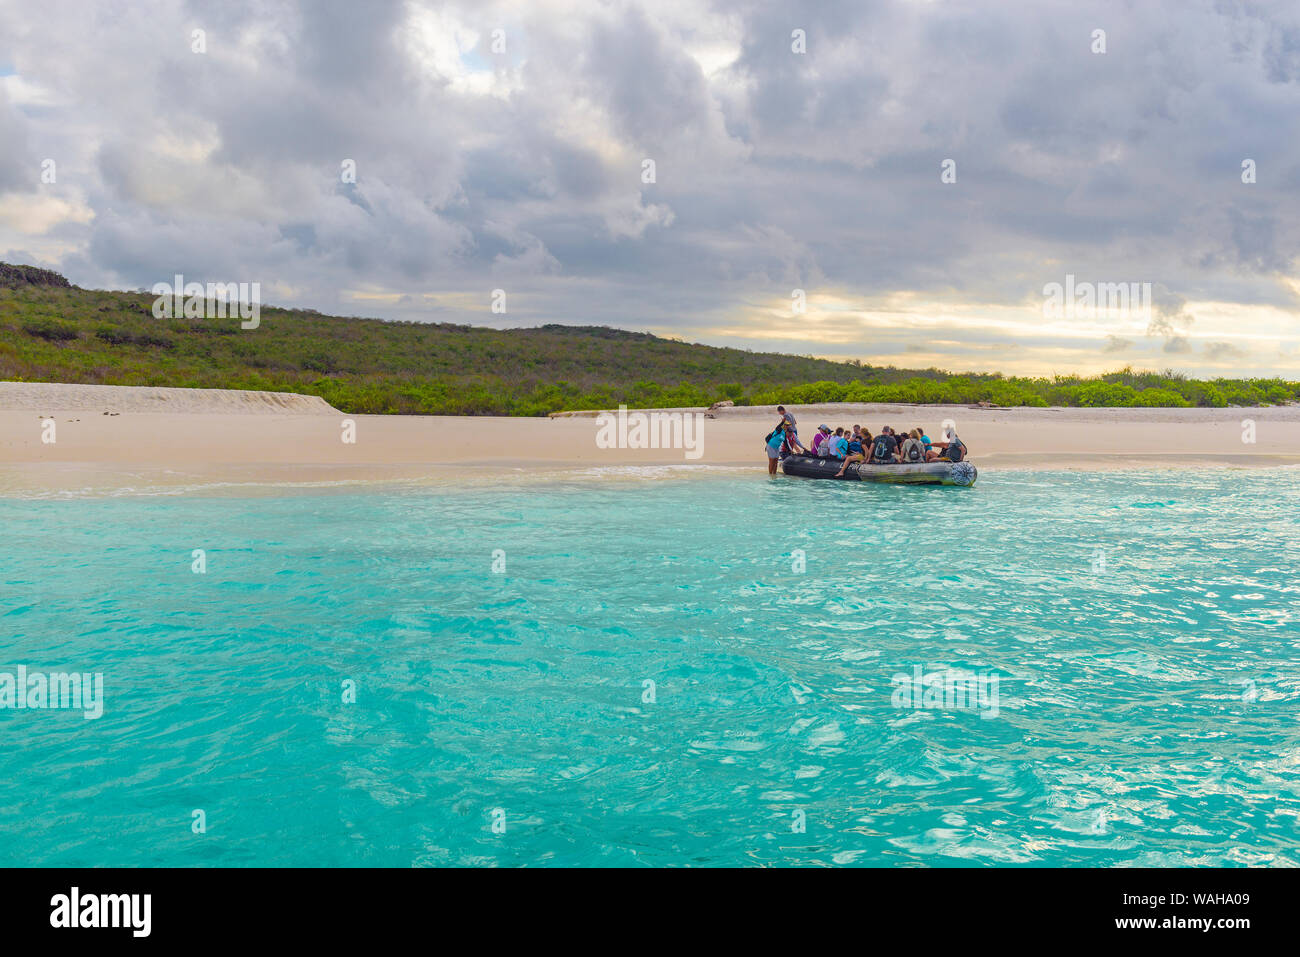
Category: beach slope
<point>104,435</point>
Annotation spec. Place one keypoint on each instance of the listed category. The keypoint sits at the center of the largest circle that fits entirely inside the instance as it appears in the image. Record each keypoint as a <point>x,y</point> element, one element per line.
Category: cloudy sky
<point>504,146</point>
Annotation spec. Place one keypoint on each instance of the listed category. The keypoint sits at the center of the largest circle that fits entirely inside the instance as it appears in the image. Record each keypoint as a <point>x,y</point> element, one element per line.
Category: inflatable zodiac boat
<point>928,473</point>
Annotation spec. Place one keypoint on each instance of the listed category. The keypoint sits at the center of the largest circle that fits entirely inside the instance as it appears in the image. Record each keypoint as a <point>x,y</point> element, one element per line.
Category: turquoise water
<point>1147,710</point>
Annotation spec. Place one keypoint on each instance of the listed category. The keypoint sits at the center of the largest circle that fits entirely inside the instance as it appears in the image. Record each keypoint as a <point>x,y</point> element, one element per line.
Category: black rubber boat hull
<point>961,474</point>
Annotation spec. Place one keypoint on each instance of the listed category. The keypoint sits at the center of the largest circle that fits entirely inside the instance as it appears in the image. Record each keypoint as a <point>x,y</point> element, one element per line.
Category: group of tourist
<point>889,447</point>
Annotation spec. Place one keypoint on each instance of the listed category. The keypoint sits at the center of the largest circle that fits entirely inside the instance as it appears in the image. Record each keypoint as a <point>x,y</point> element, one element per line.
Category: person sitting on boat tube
<point>955,450</point>
<point>951,450</point>
<point>884,450</point>
<point>819,439</point>
<point>857,450</point>
<point>836,446</point>
<point>913,450</point>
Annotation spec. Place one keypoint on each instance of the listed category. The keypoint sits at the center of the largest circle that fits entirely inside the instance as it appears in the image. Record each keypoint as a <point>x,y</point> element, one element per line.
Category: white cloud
<point>33,214</point>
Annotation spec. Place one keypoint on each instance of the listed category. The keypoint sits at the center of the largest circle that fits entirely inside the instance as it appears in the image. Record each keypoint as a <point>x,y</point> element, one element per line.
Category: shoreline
<point>91,481</point>
<point>166,438</point>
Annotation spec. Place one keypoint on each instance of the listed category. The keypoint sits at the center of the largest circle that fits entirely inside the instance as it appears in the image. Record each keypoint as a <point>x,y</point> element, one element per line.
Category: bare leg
<point>855,457</point>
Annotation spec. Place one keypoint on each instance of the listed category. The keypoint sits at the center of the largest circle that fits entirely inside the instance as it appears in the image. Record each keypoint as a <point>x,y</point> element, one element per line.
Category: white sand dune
<point>61,397</point>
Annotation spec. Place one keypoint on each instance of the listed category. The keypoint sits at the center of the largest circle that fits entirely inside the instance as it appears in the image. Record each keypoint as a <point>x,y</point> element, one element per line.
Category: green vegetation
<point>52,332</point>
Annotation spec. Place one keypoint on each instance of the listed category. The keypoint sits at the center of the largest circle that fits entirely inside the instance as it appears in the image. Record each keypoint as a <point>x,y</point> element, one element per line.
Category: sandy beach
<point>111,436</point>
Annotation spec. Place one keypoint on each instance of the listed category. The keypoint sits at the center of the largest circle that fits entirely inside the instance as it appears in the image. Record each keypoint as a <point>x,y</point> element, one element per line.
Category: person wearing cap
<point>791,429</point>
<point>953,450</point>
<point>820,439</point>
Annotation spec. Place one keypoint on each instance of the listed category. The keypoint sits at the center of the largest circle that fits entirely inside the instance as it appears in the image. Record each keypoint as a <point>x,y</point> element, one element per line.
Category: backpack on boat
<point>914,452</point>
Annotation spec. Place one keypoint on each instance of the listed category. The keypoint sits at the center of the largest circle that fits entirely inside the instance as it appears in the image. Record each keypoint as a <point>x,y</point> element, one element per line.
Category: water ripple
<point>674,669</point>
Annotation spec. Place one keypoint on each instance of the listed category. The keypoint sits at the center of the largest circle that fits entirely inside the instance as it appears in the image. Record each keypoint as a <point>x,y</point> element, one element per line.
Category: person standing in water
<point>791,430</point>
<point>774,443</point>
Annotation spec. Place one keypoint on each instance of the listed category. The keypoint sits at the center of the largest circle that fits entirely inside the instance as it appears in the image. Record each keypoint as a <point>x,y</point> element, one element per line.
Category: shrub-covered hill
<point>53,332</point>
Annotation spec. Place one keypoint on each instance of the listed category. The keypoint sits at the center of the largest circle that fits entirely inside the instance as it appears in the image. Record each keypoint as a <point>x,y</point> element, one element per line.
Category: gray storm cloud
<point>774,169</point>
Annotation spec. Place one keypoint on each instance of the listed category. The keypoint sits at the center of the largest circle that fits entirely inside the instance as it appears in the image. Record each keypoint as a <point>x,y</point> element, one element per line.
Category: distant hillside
<point>15,276</point>
<point>53,332</point>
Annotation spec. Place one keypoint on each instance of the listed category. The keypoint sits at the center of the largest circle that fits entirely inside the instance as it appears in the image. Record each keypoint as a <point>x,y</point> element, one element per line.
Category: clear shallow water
<point>1147,713</point>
